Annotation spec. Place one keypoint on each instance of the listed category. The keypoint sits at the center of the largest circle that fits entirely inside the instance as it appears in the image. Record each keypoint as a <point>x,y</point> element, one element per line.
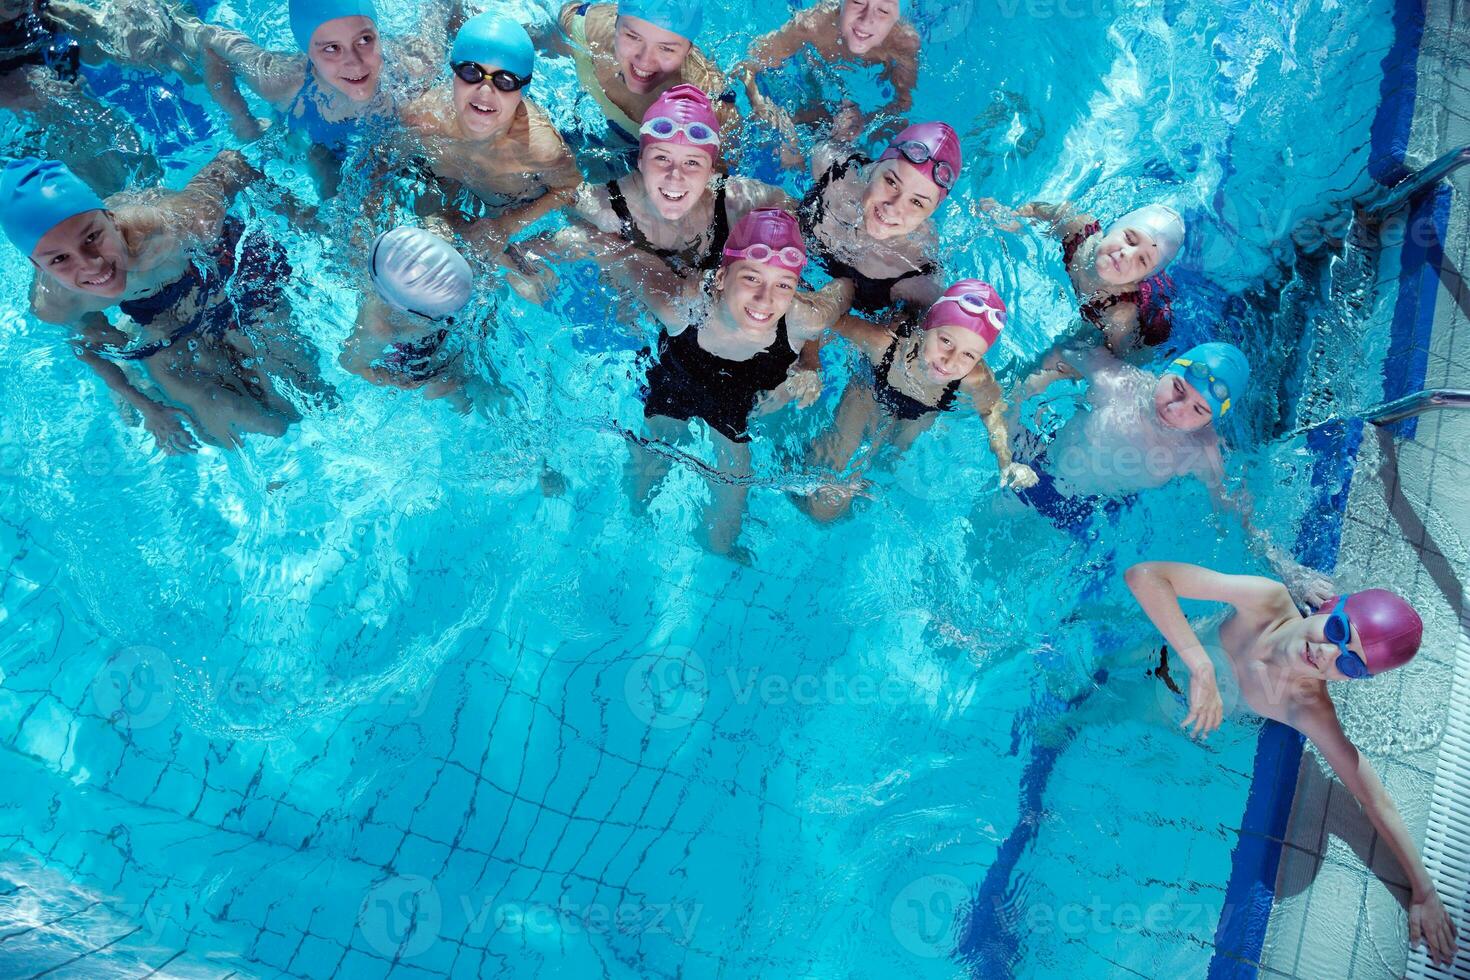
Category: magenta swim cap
<point>971,304</point>
<point>934,148</point>
<point>1388,627</point>
<point>683,115</point>
<point>770,235</point>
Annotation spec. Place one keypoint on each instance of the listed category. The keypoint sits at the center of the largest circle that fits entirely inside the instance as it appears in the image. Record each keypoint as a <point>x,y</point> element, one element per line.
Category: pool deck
<point>1338,910</point>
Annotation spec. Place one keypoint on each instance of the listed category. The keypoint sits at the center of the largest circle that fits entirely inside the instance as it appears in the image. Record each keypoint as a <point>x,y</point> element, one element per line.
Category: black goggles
<point>473,74</point>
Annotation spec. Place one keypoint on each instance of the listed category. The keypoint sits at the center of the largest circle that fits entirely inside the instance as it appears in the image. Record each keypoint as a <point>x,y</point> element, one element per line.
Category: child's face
<point>647,55</point>
<point>675,176</point>
<point>346,56</point>
<point>756,294</point>
<point>483,111</point>
<point>950,353</point>
<point>1311,654</point>
<point>865,24</point>
<point>898,199</point>
<point>85,253</point>
<point>1179,405</point>
<point>1126,256</point>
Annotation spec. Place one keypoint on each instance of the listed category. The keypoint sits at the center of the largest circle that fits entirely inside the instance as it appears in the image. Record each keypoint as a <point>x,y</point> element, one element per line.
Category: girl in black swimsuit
<point>869,222</point>
<point>916,376</point>
<point>729,350</point>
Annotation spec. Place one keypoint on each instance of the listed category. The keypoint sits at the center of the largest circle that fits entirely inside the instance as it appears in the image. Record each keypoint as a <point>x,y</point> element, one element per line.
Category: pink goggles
<point>790,257</point>
<point>978,305</point>
<point>661,129</point>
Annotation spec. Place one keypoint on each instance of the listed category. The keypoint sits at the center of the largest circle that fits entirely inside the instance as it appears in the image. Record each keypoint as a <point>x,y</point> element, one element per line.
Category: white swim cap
<point>419,272</point>
<point>1161,223</point>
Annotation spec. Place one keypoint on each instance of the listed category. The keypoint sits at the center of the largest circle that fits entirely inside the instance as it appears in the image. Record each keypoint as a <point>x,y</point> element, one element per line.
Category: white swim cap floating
<point>419,272</point>
<point>1161,223</point>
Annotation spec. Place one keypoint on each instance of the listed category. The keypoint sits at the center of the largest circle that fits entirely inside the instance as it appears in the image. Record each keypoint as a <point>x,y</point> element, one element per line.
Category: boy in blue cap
<point>480,135</point>
<point>193,287</point>
<point>629,53</point>
<point>1141,430</point>
<point>331,85</point>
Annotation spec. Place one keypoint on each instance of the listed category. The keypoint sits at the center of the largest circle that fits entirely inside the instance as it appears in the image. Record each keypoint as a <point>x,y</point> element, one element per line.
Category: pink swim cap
<point>772,228</point>
<point>971,304</point>
<point>692,114</point>
<point>1388,627</point>
<point>934,148</point>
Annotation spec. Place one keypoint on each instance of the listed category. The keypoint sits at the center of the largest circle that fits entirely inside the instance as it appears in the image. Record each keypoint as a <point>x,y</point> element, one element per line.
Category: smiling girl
<point>916,376</point>
<point>869,222</point>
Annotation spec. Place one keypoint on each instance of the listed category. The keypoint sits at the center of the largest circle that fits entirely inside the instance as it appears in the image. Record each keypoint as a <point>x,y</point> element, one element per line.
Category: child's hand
<point>1005,219</point>
<point>1206,710</point>
<point>805,386</point>
<point>1428,921</point>
<point>164,425</point>
<point>1018,476</point>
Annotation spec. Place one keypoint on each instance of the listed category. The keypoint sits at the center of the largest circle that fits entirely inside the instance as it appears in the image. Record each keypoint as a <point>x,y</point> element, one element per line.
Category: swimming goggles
<point>790,257</point>
<point>663,128</point>
<point>473,74</point>
<point>919,153</point>
<point>1339,630</point>
<point>1198,374</point>
<point>977,304</point>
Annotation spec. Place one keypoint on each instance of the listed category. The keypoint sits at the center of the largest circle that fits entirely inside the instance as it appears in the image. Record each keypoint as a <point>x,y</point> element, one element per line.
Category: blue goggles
<point>1198,374</point>
<point>1339,630</point>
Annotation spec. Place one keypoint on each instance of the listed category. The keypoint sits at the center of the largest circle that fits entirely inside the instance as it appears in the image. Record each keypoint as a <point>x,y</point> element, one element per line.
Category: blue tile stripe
<point>1250,893</point>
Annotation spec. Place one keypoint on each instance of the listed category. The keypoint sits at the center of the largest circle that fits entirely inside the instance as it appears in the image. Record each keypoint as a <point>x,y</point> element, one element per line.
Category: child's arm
<point>201,205</point>
<point>991,404</point>
<point>866,336</point>
<point>162,421</point>
<point>1159,585</point>
<point>1063,218</point>
<point>1428,920</point>
<point>273,76</point>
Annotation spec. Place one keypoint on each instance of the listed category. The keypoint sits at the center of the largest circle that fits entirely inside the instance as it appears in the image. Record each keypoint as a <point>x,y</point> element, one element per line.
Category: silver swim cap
<point>419,272</point>
<point>1161,223</point>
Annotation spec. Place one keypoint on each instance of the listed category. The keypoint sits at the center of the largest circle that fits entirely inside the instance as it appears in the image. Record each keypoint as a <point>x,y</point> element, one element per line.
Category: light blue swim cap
<point>683,17</point>
<point>308,15</point>
<point>36,196</point>
<point>494,41</point>
<point>1217,371</point>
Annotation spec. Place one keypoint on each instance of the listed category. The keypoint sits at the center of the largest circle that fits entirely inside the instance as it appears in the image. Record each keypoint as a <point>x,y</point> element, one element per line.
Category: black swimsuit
<point>871,294</point>
<point>903,406</point>
<point>682,261</point>
<point>688,382</point>
<point>30,40</point>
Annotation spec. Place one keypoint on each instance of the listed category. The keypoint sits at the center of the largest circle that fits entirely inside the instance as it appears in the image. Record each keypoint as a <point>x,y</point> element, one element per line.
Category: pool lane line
<point>1250,894</point>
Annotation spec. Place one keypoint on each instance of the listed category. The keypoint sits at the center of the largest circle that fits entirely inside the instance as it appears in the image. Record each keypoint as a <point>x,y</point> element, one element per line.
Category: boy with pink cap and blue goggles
<point>916,376</point>
<point>1282,661</point>
<point>868,221</point>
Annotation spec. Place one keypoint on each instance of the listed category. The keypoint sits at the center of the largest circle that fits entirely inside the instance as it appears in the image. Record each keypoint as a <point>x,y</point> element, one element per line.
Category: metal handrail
<point>1413,185</point>
<point>1417,404</point>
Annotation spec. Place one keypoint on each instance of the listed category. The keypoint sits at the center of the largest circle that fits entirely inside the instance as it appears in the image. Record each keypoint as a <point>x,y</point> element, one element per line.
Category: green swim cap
<point>682,17</point>
<point>36,196</point>
<point>307,15</point>
<point>494,41</point>
<point>1217,371</point>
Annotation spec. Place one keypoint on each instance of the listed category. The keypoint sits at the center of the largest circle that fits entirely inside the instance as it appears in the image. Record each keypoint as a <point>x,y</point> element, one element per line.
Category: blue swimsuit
<point>304,115</point>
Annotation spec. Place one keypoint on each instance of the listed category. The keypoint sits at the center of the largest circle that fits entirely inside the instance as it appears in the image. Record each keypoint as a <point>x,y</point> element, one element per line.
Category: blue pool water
<point>370,700</point>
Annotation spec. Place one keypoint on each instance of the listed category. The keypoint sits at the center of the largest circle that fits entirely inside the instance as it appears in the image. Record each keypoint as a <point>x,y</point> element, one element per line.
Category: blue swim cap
<point>1217,371</point>
<point>308,15</point>
<point>683,17</point>
<point>36,196</point>
<point>494,41</point>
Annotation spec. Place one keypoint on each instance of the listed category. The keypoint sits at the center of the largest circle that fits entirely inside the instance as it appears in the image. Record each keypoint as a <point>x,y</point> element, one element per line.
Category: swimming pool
<point>380,699</point>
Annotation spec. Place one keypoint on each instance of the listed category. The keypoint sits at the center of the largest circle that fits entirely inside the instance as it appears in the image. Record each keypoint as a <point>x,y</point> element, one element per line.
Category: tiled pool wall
<point>1313,893</point>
